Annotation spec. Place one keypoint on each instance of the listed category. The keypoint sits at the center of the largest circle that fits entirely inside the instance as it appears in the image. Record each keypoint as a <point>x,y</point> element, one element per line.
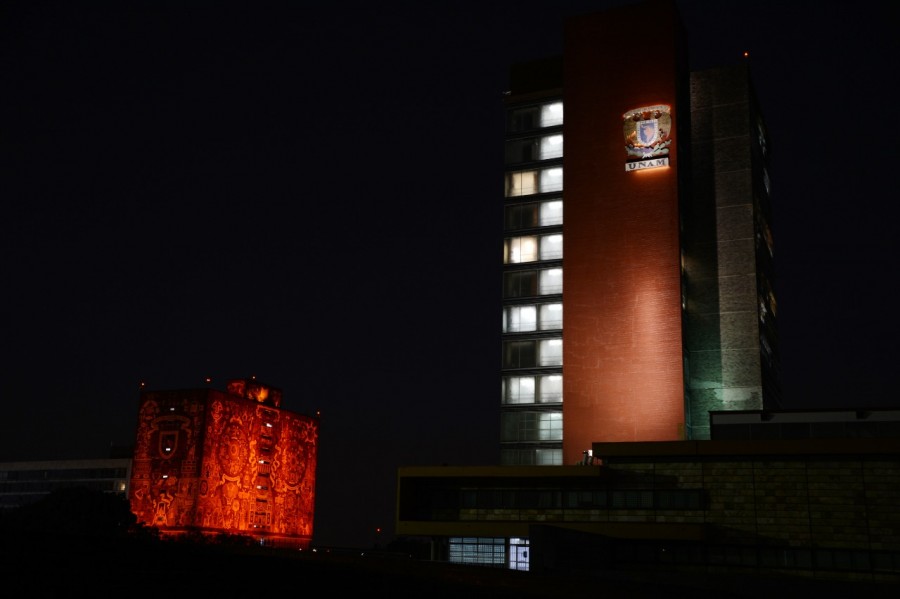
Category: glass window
<point>520,249</point>
<point>523,216</point>
<point>518,389</point>
<point>512,425</point>
<point>551,317</point>
<point>550,426</point>
<point>537,214</point>
<point>544,317</point>
<point>534,148</point>
<point>551,179</point>
<point>518,554</point>
<point>548,457</point>
<point>519,354</point>
<point>551,352</point>
<point>485,551</point>
<point>531,248</point>
<point>532,117</point>
<point>552,114</point>
<point>530,353</point>
<point>523,119</point>
<point>530,283</point>
<point>517,319</point>
<point>551,247</point>
<point>632,499</point>
<point>523,150</point>
<point>551,213</point>
<point>531,426</point>
<point>521,283</point>
<point>551,389</point>
<point>521,183</point>
<point>551,281</point>
<point>530,389</point>
<point>551,146</point>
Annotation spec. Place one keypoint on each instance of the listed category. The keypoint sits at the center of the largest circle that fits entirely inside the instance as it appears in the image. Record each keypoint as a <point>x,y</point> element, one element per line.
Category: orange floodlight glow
<point>213,462</point>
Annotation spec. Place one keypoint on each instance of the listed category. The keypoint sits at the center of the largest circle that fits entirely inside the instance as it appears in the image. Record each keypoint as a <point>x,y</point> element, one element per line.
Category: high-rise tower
<point>637,287</point>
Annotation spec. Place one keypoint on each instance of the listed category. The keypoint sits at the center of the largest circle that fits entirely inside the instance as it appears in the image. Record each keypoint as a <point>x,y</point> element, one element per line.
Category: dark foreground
<point>58,566</point>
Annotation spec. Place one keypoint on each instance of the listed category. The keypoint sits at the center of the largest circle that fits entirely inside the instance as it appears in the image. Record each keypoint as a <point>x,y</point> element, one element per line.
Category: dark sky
<point>311,193</point>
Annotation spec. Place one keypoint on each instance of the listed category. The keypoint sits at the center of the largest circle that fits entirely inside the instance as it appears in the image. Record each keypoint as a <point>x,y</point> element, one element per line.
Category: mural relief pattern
<point>219,463</point>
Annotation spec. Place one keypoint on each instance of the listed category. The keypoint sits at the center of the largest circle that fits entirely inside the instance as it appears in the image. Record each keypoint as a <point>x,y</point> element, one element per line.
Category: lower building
<point>23,483</point>
<point>820,507</point>
<point>232,462</point>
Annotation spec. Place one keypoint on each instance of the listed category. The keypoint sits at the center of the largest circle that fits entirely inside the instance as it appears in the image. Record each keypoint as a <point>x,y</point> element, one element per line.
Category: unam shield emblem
<point>647,131</point>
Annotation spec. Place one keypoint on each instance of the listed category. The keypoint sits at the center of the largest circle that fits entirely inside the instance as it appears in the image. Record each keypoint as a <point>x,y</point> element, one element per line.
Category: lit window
<point>518,389</point>
<point>551,147</point>
<point>548,457</point>
<point>551,213</point>
<point>551,352</point>
<point>552,114</point>
<point>551,179</point>
<point>551,317</point>
<point>551,390</point>
<point>521,183</point>
<point>520,249</point>
<point>550,426</point>
<point>551,247</point>
<point>519,318</point>
<point>550,282</point>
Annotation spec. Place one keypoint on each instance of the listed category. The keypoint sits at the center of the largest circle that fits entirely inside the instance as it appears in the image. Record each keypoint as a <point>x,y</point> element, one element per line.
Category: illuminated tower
<point>232,462</point>
<point>637,289</point>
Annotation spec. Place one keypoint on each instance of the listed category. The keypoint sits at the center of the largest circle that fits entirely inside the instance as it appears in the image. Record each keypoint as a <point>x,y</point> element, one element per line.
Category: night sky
<point>311,193</point>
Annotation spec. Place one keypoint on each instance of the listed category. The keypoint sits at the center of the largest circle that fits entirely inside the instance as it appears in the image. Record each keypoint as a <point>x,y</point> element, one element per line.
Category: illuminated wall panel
<point>230,463</point>
<point>623,368</point>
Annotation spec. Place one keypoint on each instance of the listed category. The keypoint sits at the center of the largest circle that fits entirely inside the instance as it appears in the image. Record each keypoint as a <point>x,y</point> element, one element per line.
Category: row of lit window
<point>533,389</point>
<point>528,182</point>
<point>532,353</point>
<point>536,456</point>
<point>531,283</point>
<point>540,317</point>
<point>545,147</point>
<point>536,116</point>
<point>531,426</point>
<point>533,214</point>
<point>531,248</point>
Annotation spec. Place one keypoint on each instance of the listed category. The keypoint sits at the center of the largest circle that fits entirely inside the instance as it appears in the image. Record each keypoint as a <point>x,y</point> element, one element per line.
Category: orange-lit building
<point>232,462</point>
<point>638,287</point>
